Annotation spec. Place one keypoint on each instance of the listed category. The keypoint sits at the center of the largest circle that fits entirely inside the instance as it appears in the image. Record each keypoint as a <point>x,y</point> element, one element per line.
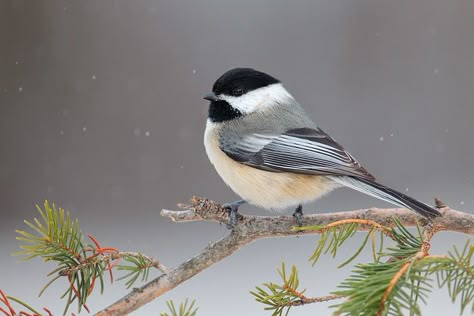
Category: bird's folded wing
<point>302,150</point>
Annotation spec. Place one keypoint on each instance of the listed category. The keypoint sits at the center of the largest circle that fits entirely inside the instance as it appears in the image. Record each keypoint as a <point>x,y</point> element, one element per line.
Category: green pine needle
<point>278,298</point>
<point>334,237</point>
<point>456,272</point>
<point>139,267</point>
<point>185,309</point>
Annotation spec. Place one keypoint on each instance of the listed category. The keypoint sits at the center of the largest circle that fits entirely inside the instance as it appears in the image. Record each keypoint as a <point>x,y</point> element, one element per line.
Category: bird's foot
<point>298,215</point>
<point>233,208</point>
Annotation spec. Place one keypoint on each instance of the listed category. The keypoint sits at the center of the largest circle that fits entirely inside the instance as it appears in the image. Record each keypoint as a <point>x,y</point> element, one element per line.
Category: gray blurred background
<point>101,112</point>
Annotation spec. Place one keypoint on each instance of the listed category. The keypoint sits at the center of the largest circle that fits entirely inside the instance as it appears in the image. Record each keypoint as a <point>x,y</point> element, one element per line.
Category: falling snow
<point>93,77</point>
<point>436,71</point>
<point>20,89</point>
<point>406,189</point>
<point>84,128</point>
<point>137,132</point>
<point>61,132</point>
<point>381,139</point>
<point>462,202</point>
<point>194,71</point>
<point>147,133</point>
<point>391,134</point>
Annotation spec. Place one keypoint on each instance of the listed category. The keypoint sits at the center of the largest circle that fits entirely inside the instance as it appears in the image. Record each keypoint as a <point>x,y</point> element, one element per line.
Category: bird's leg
<point>298,215</point>
<point>233,208</point>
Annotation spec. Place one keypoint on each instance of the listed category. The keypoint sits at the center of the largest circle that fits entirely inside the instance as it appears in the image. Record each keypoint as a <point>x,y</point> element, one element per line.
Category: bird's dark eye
<point>237,92</point>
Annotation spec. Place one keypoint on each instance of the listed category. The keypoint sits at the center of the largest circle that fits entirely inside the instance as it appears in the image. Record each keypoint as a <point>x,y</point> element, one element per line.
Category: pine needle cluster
<point>400,277</point>
<point>55,237</point>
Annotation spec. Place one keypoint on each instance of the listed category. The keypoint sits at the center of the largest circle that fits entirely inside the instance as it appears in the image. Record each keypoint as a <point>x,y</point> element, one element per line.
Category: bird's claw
<point>233,209</point>
<point>298,215</point>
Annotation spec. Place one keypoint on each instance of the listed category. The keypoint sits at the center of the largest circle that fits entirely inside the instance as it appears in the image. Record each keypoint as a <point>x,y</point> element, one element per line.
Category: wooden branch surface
<point>250,228</point>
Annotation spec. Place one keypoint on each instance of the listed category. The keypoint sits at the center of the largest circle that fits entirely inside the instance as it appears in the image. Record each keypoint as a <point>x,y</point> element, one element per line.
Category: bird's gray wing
<point>302,150</point>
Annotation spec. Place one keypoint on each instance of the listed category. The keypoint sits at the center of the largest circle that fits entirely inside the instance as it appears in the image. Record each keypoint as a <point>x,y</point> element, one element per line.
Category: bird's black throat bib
<point>221,111</point>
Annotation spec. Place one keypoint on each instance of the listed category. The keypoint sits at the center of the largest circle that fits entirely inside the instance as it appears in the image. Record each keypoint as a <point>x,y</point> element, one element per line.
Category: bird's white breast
<point>270,190</point>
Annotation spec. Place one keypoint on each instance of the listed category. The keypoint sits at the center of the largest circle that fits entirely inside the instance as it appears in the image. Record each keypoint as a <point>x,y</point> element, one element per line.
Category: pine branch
<point>251,228</point>
<point>383,288</point>
<point>281,298</point>
<point>57,238</point>
<point>380,288</point>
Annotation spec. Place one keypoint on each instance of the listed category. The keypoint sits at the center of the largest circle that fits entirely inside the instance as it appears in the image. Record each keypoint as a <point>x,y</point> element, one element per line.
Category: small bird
<point>267,149</point>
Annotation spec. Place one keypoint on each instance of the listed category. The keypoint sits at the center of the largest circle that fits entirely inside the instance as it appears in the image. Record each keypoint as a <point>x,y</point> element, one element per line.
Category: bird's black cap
<point>239,81</point>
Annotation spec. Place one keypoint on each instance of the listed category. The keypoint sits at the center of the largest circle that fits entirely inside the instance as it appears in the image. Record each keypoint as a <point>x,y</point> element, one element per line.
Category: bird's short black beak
<point>211,97</point>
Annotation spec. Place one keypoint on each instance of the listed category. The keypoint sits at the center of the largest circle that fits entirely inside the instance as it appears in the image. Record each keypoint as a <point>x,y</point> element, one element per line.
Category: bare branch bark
<point>250,228</point>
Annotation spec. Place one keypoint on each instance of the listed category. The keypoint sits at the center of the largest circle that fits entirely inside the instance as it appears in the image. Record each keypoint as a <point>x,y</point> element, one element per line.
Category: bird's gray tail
<point>389,195</point>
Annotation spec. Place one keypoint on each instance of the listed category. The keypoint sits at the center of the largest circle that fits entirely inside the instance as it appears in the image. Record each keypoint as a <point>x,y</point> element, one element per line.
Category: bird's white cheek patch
<point>259,99</point>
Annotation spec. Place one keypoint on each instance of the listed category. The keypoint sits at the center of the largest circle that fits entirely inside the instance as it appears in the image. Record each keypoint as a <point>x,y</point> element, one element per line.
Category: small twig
<point>303,300</point>
<point>250,228</point>
<point>310,300</point>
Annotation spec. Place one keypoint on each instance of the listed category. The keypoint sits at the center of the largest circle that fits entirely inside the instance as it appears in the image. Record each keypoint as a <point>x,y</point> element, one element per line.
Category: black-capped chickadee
<point>269,152</point>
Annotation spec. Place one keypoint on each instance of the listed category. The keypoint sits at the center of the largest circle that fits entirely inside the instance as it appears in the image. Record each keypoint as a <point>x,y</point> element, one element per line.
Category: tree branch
<point>250,228</point>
